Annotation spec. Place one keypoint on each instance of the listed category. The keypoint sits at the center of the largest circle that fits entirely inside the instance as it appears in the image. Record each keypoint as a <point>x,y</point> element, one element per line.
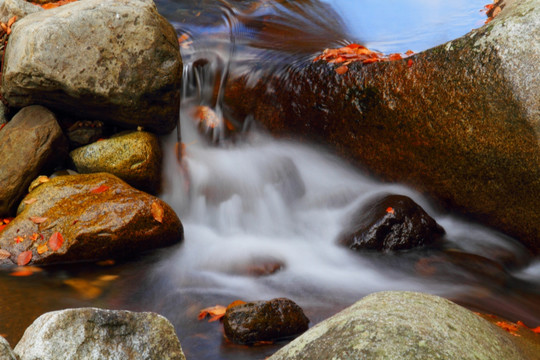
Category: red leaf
<point>19,239</point>
<point>56,241</point>
<point>24,258</point>
<point>409,63</point>
<point>99,189</point>
<point>390,210</point>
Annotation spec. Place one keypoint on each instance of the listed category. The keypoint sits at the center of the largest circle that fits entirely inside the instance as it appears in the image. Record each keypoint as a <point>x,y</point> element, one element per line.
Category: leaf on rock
<point>157,211</point>
<point>235,303</point>
<point>30,201</point>
<point>18,239</point>
<point>215,313</point>
<point>99,189</point>
<point>390,210</point>
<point>24,258</point>
<point>511,328</point>
<point>43,248</point>
<point>342,69</point>
<point>4,254</point>
<point>37,219</point>
<point>55,241</point>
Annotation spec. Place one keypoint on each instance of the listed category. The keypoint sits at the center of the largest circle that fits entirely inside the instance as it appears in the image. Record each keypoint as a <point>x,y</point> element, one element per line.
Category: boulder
<point>5,350</point>
<point>91,333</point>
<point>30,143</point>
<point>271,320</point>
<point>116,61</point>
<point>19,8</point>
<point>402,325</point>
<point>87,217</point>
<point>134,157</point>
<point>460,122</point>
<point>394,222</point>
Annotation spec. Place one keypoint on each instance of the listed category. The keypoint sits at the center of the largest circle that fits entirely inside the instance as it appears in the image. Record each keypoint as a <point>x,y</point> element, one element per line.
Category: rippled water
<point>258,204</point>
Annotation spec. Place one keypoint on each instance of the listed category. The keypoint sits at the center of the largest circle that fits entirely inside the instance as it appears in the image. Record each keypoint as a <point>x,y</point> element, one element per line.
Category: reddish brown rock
<point>87,217</point>
<point>394,222</point>
<point>460,122</point>
<point>264,321</point>
<point>30,143</point>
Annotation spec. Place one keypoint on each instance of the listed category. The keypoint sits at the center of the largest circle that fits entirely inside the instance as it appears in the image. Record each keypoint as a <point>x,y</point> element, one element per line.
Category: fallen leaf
<point>11,21</point>
<point>409,52</point>
<point>18,239</point>
<point>4,254</point>
<point>22,273</point>
<point>24,258</point>
<point>157,211</point>
<point>30,201</point>
<point>535,330</point>
<point>55,241</point>
<point>342,69</point>
<point>511,328</point>
<point>43,248</point>
<point>99,189</point>
<point>37,219</point>
<point>215,313</point>
<point>35,236</point>
<point>390,210</point>
<point>409,63</point>
<point>235,303</point>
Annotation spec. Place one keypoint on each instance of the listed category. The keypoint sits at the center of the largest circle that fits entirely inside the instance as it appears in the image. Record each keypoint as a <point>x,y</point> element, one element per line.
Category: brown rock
<point>98,217</point>
<point>394,222</point>
<point>32,142</point>
<point>460,122</point>
<point>264,321</point>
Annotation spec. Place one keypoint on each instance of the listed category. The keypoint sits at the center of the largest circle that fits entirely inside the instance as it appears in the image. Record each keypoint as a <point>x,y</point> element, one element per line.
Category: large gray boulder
<point>96,334</point>
<point>110,60</point>
<point>460,122</point>
<point>30,143</point>
<point>401,326</point>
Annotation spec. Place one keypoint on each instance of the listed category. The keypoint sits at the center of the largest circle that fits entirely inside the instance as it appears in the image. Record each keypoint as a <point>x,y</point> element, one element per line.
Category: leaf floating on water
<point>215,313</point>
<point>56,240</point>
<point>37,219</point>
<point>4,254</point>
<point>157,211</point>
<point>24,258</point>
<point>25,271</point>
<point>99,189</point>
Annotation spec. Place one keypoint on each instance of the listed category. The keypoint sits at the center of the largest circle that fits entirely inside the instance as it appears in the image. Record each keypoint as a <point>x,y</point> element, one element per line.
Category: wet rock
<point>19,8</point>
<point>402,325</point>
<point>460,121</point>
<point>134,157</point>
<point>129,75</point>
<point>83,132</point>
<point>91,333</point>
<point>5,350</point>
<point>394,222</point>
<point>264,321</point>
<point>98,217</point>
<point>30,143</point>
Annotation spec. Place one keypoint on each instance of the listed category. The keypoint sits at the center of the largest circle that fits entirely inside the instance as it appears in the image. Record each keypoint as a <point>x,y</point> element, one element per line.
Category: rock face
<point>401,326</point>
<point>129,75</point>
<point>31,142</point>
<point>98,216</point>
<point>394,222</point>
<point>91,333</point>
<point>264,321</point>
<point>19,8</point>
<point>134,157</point>
<point>460,122</point>
<point>5,350</point>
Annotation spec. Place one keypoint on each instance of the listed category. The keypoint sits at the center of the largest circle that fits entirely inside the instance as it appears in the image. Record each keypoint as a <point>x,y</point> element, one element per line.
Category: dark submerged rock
<point>264,321</point>
<point>30,143</point>
<point>394,222</point>
<point>95,334</point>
<point>459,122</point>
<point>98,215</point>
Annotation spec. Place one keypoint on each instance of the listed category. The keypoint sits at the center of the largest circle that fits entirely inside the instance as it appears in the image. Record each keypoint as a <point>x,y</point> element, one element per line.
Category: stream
<point>261,215</point>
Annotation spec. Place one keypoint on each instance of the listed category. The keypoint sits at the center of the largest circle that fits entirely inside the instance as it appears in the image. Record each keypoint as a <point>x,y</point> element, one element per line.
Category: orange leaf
<point>37,219</point>
<point>18,239</point>
<point>394,57</point>
<point>24,258</point>
<point>11,21</point>
<point>409,52</point>
<point>2,227</point>
<point>215,313</point>
<point>409,63</point>
<point>370,60</point>
<point>235,303</point>
<point>99,189</point>
<point>56,240</point>
<point>43,248</point>
<point>26,271</point>
<point>157,211</point>
<point>342,69</point>
<point>4,254</point>
<point>34,236</point>
<point>390,210</point>
<point>511,328</point>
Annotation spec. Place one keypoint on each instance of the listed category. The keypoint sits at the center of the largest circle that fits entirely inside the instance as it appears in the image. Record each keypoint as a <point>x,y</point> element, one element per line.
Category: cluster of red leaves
<point>55,243</point>
<point>354,53</point>
<point>492,10</point>
<point>510,327</point>
<point>52,5</point>
<point>217,312</point>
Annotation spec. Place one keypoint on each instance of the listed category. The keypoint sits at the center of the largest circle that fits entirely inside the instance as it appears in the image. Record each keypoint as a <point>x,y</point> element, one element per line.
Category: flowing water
<point>261,215</point>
